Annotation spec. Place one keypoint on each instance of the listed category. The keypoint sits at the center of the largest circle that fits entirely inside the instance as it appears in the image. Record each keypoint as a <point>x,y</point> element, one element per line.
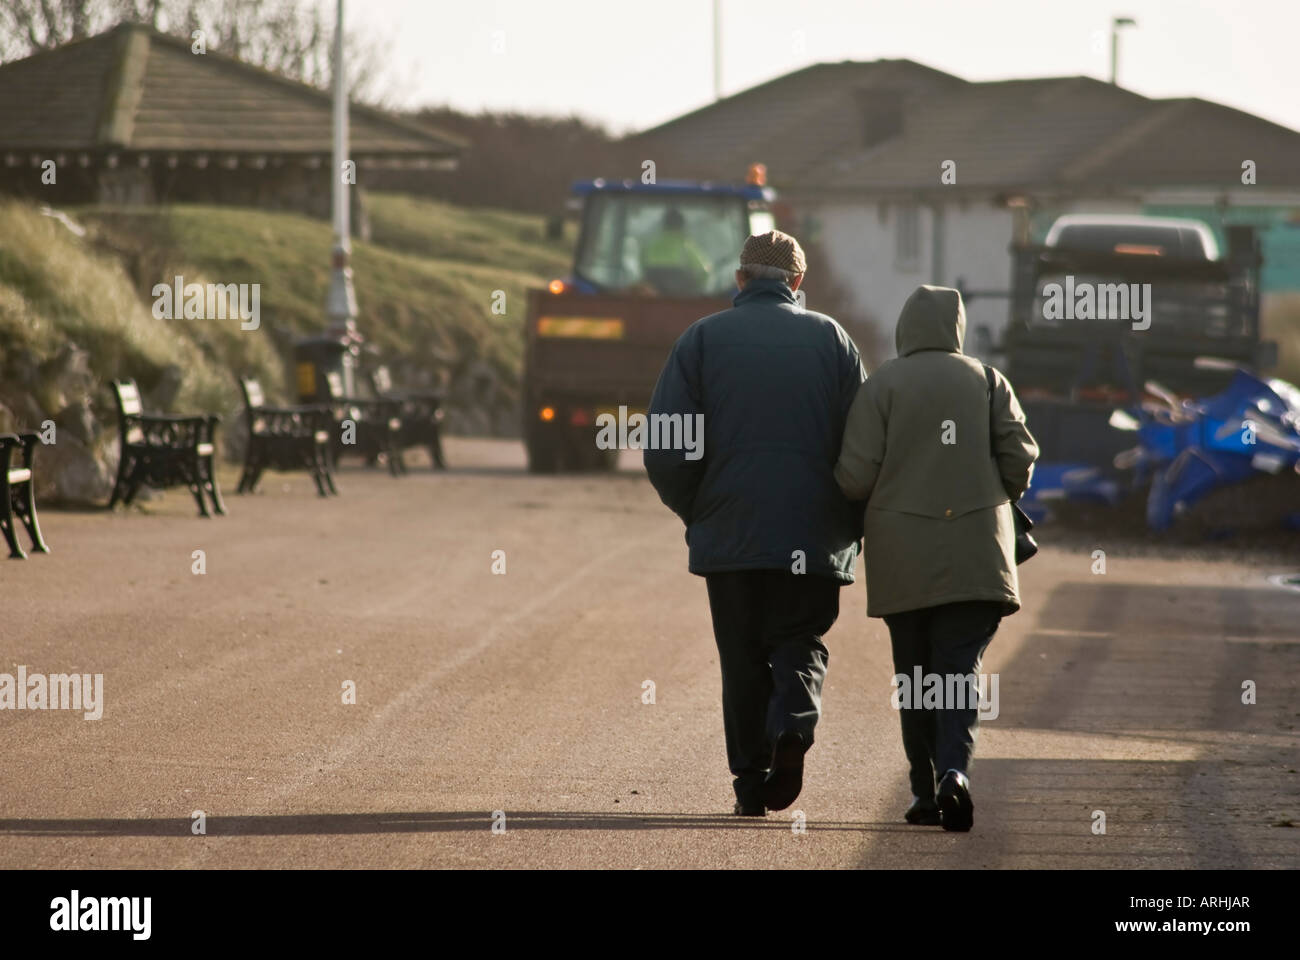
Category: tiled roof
<point>1193,142</point>
<point>790,123</point>
<point>812,129</point>
<point>1013,133</point>
<point>133,88</point>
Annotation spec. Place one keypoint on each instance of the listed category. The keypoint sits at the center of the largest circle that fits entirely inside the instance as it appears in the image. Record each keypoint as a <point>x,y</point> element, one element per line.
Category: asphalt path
<point>517,699</point>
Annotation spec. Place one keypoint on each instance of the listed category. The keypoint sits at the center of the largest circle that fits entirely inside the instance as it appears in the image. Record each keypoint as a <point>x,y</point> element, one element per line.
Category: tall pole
<point>341,301</point>
<point>717,49</point>
<point>1115,24</point>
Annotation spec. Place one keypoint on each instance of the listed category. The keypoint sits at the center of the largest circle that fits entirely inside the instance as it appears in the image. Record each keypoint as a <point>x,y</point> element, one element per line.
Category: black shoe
<point>785,780</point>
<point>924,813</point>
<point>955,807</point>
<point>750,809</point>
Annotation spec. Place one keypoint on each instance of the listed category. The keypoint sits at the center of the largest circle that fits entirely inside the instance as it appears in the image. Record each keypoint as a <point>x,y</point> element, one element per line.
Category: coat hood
<point>933,318</point>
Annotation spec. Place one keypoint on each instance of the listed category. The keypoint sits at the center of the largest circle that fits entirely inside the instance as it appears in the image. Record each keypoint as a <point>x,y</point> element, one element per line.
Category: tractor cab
<point>667,239</point>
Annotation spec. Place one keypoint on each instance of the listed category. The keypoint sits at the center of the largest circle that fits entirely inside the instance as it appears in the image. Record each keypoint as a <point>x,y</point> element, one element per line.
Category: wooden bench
<point>285,438</point>
<point>18,492</point>
<point>163,450</point>
<point>421,415</point>
<point>377,426</point>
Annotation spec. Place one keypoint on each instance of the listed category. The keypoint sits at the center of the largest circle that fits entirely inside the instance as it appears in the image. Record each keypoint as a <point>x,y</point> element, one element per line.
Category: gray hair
<point>755,271</point>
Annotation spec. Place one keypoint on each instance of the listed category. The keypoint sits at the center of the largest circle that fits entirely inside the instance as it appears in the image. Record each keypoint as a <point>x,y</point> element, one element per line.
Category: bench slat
<point>129,395</point>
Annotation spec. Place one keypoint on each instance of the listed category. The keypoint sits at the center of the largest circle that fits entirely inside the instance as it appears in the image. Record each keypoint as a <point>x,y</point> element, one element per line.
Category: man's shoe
<point>924,813</point>
<point>785,779</point>
<point>749,809</point>
<point>956,811</point>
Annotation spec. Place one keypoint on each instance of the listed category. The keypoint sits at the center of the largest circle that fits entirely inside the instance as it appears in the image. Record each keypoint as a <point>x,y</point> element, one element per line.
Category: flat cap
<point>774,249</point>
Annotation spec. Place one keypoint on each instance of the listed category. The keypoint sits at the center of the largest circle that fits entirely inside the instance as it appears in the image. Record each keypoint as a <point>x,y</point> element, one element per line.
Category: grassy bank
<point>77,310</point>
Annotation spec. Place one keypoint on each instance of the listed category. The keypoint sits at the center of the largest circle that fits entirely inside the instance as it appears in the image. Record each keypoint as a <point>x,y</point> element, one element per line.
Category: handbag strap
<point>989,379</point>
<point>993,446</point>
<point>1021,517</point>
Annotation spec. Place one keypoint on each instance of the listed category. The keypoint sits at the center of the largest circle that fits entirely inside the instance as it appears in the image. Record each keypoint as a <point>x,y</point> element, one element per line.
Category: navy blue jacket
<point>774,383</point>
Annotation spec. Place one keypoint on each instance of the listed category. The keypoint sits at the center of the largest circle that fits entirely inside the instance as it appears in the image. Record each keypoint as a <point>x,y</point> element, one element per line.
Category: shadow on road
<point>431,822</point>
<point>1152,670</point>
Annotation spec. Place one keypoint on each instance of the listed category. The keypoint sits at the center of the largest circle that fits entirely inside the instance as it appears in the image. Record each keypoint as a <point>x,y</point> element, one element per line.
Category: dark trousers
<point>769,626</point>
<point>948,640</point>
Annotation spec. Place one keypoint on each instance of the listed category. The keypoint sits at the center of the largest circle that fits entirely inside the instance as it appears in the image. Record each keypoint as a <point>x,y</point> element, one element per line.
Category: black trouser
<point>948,640</point>
<point>769,626</point>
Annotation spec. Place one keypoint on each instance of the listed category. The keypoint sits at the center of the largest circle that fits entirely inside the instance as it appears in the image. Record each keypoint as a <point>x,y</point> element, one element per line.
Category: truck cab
<point>651,259</point>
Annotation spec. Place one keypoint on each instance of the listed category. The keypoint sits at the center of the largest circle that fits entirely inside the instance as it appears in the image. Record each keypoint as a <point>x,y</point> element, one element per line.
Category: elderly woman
<point>939,461</point>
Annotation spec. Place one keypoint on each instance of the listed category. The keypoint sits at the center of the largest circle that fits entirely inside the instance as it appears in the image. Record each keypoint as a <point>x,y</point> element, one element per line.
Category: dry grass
<point>57,289</point>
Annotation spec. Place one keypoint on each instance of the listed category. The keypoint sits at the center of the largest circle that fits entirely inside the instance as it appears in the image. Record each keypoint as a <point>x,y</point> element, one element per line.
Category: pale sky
<point>634,63</point>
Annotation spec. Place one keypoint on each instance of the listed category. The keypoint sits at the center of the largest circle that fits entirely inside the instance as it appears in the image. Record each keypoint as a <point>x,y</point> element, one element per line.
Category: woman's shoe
<point>956,810</point>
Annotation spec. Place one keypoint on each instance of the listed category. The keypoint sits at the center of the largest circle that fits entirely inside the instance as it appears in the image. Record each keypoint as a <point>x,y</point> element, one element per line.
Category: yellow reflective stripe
<point>591,328</point>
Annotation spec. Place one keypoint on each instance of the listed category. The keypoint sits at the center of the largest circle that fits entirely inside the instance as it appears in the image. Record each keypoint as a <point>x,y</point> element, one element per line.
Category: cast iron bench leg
<point>23,496</point>
<point>26,511</point>
<point>320,472</point>
<point>196,489</point>
<point>122,483</point>
<point>6,504</point>
<point>208,471</point>
<point>7,525</point>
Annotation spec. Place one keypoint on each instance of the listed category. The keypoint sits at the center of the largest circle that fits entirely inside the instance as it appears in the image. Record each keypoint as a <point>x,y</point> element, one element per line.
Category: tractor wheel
<point>543,452</point>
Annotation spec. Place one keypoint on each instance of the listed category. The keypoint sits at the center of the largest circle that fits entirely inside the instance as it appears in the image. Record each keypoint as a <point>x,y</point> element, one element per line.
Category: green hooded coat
<point>938,469</point>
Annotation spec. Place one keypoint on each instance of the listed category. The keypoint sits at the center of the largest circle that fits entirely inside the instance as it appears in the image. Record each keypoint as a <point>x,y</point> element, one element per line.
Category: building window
<point>907,237</point>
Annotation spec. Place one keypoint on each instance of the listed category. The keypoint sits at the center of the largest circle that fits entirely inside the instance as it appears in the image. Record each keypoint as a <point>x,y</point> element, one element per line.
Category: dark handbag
<point>1026,545</point>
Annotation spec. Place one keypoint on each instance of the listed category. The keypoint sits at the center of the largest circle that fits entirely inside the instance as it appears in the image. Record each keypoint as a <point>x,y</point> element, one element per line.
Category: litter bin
<point>316,358</point>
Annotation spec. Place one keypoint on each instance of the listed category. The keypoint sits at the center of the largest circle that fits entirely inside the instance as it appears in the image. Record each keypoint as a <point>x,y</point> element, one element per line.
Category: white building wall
<point>861,250</point>
<point>861,241</point>
<point>977,249</point>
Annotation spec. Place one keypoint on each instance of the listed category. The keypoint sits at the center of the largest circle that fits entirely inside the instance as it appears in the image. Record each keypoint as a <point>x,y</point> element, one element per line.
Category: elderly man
<point>766,523</point>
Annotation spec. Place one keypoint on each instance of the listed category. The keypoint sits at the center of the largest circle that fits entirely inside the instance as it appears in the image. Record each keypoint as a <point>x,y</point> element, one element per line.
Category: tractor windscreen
<point>671,245</point>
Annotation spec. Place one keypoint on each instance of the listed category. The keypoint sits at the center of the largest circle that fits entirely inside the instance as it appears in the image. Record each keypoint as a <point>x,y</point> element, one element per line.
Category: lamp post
<point>341,300</point>
<point>1115,25</point>
<point>717,49</point>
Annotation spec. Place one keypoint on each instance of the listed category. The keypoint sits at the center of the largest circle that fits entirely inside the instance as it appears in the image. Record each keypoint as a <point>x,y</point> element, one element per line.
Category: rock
<point>71,471</point>
<point>232,436</point>
<point>23,370</point>
<point>70,371</point>
<point>78,421</point>
<point>163,396</point>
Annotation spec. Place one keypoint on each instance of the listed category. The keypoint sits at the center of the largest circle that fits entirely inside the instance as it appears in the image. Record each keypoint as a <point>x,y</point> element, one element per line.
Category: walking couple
<point>806,459</point>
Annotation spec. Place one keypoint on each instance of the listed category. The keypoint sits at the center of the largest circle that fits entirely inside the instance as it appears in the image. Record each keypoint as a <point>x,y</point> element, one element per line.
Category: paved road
<point>522,693</point>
